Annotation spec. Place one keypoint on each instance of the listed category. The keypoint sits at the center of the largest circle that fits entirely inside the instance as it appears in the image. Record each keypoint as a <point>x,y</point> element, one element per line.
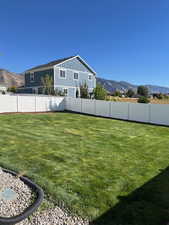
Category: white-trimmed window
<point>65,91</point>
<point>76,76</point>
<point>90,77</point>
<point>62,74</point>
<point>32,77</point>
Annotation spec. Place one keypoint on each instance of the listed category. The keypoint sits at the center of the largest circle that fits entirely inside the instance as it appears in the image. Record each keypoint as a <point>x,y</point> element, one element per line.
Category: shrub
<point>12,89</point>
<point>47,82</point>
<point>143,99</point>
<point>130,93</point>
<point>142,90</point>
<point>99,92</point>
<point>117,93</point>
<point>84,93</point>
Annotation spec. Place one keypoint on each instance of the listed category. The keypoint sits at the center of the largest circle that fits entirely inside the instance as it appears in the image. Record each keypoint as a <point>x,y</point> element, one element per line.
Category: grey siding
<point>69,81</point>
<point>75,64</point>
<point>71,67</point>
<point>38,75</point>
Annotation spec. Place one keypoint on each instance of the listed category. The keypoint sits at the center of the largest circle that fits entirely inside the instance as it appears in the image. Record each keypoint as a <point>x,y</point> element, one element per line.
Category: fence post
<point>110,109</point>
<point>149,113</point>
<point>95,107</point>
<point>35,103</point>
<point>65,103</point>
<point>81,104</point>
<point>128,111</point>
<point>17,104</point>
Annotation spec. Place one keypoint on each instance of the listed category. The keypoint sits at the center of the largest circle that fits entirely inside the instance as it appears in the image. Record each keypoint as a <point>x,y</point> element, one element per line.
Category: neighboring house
<point>68,74</point>
<point>3,89</point>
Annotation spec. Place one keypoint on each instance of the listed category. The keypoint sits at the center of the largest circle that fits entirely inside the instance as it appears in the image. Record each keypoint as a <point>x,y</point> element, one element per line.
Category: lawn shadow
<point>147,205</point>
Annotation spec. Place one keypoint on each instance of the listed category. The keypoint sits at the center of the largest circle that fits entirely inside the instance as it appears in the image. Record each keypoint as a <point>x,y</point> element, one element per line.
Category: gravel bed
<point>52,216</point>
<point>9,208</point>
<point>55,216</point>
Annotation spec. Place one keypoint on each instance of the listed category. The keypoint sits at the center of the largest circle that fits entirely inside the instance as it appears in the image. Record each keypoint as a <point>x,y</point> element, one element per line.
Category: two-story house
<point>67,76</point>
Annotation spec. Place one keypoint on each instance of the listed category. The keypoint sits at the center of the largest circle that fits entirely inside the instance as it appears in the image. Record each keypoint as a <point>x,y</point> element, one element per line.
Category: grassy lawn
<point>94,165</point>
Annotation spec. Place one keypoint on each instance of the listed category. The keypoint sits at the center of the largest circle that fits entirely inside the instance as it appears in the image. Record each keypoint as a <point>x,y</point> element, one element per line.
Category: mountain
<point>9,79</point>
<point>111,86</point>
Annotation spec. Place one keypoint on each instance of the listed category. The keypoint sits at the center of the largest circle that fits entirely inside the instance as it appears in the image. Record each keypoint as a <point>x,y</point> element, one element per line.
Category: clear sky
<point>121,39</point>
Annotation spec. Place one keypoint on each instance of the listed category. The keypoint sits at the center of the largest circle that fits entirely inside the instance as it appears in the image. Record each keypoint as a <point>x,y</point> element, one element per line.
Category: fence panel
<point>102,108</point>
<point>75,104</point>
<point>88,106</point>
<point>45,104</point>
<point>139,112</point>
<point>8,103</point>
<point>119,110</point>
<point>159,114</point>
<point>26,103</point>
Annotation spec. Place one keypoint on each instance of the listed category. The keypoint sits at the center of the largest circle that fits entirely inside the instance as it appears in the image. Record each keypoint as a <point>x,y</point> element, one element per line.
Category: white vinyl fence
<point>31,103</point>
<point>148,113</point>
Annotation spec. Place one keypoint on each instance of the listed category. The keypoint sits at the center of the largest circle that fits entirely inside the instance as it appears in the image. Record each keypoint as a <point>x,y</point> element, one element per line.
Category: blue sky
<point>121,39</point>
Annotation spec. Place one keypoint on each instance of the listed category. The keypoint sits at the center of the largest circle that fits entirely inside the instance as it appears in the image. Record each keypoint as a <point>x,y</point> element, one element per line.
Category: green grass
<point>89,162</point>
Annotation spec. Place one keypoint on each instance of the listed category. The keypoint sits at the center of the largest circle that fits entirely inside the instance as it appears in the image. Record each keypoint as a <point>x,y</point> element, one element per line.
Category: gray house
<point>67,75</point>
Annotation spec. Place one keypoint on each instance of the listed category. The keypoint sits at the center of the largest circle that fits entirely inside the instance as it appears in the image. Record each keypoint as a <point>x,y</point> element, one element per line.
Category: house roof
<point>52,63</point>
<point>60,61</point>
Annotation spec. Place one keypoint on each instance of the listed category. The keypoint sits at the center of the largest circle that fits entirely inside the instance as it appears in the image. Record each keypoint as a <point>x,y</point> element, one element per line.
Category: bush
<point>84,93</point>
<point>143,99</point>
<point>117,93</point>
<point>142,90</point>
<point>130,93</point>
<point>12,89</point>
<point>99,92</point>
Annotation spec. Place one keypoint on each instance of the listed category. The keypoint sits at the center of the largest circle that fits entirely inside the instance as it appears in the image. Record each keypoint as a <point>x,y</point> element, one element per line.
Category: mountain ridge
<point>9,79</point>
<point>112,85</point>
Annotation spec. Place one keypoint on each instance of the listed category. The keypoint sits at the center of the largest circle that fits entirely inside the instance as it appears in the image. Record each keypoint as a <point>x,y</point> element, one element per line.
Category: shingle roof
<point>52,63</point>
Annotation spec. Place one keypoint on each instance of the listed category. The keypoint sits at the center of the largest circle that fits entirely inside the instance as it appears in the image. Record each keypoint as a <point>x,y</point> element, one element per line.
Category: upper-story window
<point>63,74</point>
<point>32,77</point>
<point>90,77</point>
<point>76,76</point>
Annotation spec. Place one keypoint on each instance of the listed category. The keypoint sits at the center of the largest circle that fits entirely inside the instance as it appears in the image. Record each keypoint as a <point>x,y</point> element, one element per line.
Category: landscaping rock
<point>15,196</point>
<point>55,216</point>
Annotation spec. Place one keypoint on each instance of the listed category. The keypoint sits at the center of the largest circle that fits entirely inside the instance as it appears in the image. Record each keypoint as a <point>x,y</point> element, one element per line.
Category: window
<point>65,91</point>
<point>76,76</point>
<point>90,77</point>
<point>32,77</point>
<point>63,74</point>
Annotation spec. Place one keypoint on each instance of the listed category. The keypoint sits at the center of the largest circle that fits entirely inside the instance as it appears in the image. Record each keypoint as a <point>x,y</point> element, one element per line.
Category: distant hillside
<point>9,79</point>
<point>111,85</point>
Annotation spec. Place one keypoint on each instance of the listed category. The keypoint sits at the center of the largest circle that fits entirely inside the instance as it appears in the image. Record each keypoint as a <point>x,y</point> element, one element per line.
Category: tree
<point>142,91</point>
<point>117,93</point>
<point>84,93</point>
<point>99,92</point>
<point>12,89</point>
<point>47,82</point>
<point>130,93</point>
<point>143,99</point>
